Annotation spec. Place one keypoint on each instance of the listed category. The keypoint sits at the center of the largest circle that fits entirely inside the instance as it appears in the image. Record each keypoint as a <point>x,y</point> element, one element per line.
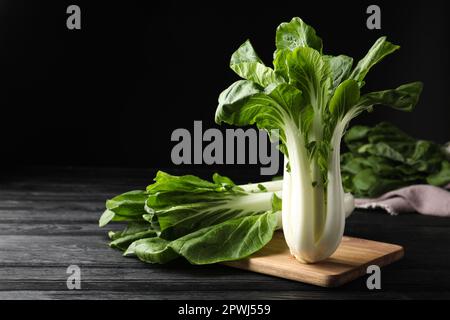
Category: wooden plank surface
<point>48,220</point>
<point>349,262</point>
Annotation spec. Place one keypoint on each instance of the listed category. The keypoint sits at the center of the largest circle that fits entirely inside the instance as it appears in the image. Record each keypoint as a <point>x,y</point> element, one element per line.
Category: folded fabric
<point>425,199</point>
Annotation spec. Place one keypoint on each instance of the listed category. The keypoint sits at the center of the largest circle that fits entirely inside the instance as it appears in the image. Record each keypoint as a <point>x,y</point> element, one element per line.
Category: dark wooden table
<point>48,221</point>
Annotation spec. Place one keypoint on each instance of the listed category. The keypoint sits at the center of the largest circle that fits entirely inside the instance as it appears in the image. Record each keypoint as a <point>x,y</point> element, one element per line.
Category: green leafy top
<point>307,95</point>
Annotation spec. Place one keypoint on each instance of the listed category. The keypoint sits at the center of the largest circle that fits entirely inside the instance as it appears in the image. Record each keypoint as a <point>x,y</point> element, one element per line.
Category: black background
<point>111,93</point>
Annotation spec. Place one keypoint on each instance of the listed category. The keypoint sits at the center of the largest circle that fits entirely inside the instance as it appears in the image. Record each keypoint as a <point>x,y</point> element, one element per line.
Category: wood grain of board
<point>349,262</point>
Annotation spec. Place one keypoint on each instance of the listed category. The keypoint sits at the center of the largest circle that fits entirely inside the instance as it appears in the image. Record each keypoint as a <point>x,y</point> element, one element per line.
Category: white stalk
<point>313,225</point>
<point>298,198</point>
<point>271,186</point>
<point>335,211</point>
<point>276,187</point>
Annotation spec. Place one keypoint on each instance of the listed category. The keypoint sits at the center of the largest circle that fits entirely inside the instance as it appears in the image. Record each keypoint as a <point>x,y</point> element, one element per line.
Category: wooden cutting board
<point>349,262</point>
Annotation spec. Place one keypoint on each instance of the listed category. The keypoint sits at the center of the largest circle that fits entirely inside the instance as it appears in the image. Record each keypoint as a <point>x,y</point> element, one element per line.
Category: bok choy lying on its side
<point>308,98</point>
<point>203,221</point>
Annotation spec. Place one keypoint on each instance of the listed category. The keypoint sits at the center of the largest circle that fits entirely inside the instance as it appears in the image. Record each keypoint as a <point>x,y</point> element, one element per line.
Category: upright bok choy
<point>307,100</point>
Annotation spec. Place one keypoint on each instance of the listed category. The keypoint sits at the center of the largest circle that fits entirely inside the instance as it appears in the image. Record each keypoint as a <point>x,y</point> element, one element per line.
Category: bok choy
<point>307,100</point>
<point>202,221</point>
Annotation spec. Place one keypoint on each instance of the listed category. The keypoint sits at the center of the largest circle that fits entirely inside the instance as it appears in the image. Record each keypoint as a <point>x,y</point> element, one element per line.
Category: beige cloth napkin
<point>425,199</point>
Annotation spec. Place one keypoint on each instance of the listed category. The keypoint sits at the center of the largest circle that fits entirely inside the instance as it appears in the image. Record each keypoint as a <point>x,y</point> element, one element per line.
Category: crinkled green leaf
<point>131,228</point>
<point>340,67</point>
<point>166,182</point>
<point>128,206</point>
<point>280,63</point>
<point>134,231</point>
<point>441,177</point>
<point>310,73</point>
<point>403,98</point>
<point>381,149</point>
<point>123,242</point>
<point>380,49</point>
<point>246,63</point>
<point>296,33</point>
<point>230,240</point>
<point>366,182</point>
<point>106,217</point>
<point>356,133</point>
<point>345,97</point>
<point>152,250</point>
